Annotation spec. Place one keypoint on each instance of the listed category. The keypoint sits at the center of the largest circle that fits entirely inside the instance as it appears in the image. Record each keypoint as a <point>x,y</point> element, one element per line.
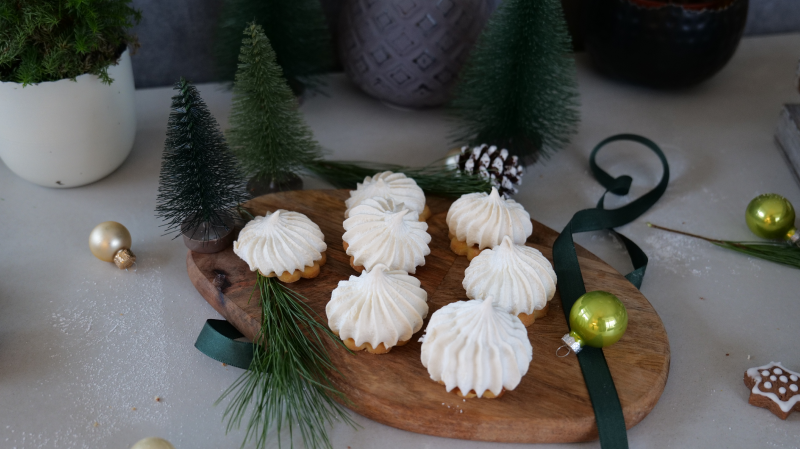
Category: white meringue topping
<point>395,186</point>
<point>383,231</point>
<point>518,277</point>
<point>282,241</point>
<point>379,306</point>
<point>485,219</point>
<point>476,346</point>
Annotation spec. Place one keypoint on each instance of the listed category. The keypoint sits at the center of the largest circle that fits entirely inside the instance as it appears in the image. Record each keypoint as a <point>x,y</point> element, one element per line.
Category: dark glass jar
<point>663,43</point>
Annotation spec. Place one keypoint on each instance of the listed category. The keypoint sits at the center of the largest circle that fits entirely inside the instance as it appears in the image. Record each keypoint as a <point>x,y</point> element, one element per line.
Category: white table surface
<point>82,343</point>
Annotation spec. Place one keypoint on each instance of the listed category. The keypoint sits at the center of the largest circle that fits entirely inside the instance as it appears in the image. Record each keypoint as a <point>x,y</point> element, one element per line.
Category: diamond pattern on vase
<point>427,24</point>
<point>409,52</point>
<point>424,60</point>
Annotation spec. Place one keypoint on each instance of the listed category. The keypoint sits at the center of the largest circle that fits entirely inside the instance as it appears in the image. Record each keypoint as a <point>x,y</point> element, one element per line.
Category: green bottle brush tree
<point>200,183</point>
<point>518,90</point>
<point>297,30</point>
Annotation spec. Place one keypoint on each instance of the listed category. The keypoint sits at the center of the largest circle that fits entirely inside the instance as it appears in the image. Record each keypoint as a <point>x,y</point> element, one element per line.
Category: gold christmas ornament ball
<point>153,442</point>
<point>771,216</point>
<point>111,242</point>
<point>598,319</point>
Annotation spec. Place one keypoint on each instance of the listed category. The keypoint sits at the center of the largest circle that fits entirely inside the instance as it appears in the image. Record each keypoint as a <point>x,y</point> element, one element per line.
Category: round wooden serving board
<point>551,403</point>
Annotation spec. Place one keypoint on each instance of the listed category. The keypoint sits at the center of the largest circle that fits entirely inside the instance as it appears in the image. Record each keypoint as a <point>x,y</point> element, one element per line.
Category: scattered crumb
<point>121,314</point>
<point>702,298</point>
<point>727,354</point>
<point>133,409</point>
<point>96,424</point>
<point>158,399</point>
<point>748,356</point>
<point>224,365</point>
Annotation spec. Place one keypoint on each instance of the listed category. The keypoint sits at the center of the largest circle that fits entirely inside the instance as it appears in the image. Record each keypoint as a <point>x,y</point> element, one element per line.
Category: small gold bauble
<point>108,239</point>
<point>153,442</point>
<point>771,216</point>
<point>598,319</point>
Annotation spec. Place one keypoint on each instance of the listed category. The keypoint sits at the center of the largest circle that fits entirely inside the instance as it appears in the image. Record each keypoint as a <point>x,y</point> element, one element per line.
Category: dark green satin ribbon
<point>602,392</point>
<point>218,341</point>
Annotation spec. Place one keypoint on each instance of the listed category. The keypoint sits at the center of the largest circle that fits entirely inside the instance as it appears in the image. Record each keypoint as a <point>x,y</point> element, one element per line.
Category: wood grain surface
<point>551,403</point>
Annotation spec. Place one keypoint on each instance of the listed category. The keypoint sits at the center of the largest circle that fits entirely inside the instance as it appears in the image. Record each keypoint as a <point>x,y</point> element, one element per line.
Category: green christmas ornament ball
<point>598,319</point>
<point>771,216</point>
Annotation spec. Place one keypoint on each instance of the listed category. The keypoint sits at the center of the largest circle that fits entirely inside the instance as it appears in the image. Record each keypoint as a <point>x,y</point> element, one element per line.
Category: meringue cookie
<point>382,231</point>
<point>518,277</point>
<point>381,307</point>
<point>485,219</point>
<point>282,241</point>
<point>395,186</point>
<point>476,346</point>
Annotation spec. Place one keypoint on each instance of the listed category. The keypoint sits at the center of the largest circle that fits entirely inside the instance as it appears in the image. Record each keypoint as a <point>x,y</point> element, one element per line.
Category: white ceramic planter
<point>68,133</point>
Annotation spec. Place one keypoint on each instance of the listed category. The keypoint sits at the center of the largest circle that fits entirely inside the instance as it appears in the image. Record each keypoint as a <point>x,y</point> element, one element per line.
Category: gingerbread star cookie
<point>774,387</point>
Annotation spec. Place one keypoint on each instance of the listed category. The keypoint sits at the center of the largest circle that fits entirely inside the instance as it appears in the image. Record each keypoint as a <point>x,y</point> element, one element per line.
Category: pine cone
<point>488,162</point>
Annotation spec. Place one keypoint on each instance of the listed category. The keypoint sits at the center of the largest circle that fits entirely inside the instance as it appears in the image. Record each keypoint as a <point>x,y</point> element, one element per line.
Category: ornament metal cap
<point>571,344</point>
<point>124,258</point>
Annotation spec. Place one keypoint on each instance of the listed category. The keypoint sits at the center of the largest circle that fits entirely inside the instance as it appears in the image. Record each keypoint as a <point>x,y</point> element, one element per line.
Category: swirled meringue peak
<point>395,186</point>
<point>383,231</point>
<point>518,277</point>
<point>379,306</point>
<point>477,346</point>
<point>282,241</point>
<point>485,219</point>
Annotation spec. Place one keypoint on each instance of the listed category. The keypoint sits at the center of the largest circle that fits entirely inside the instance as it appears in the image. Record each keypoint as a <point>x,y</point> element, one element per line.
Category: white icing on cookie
<point>282,241</point>
<point>773,378</point>
<point>777,371</point>
<point>476,346</point>
<point>784,379</point>
<point>781,390</point>
<point>756,374</point>
<point>765,373</point>
<point>793,388</point>
<point>380,306</point>
<point>382,231</point>
<point>518,277</point>
<point>395,186</point>
<point>485,219</point>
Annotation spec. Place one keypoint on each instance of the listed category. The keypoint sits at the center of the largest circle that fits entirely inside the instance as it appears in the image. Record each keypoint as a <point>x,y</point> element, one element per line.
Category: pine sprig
<point>268,133</point>
<point>297,30</point>
<point>287,386</point>
<point>434,179</point>
<point>518,89</point>
<point>783,253</point>
<point>200,181</point>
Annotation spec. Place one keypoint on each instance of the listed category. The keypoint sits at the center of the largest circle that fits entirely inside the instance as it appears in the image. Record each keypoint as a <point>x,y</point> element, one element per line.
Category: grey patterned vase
<point>409,52</point>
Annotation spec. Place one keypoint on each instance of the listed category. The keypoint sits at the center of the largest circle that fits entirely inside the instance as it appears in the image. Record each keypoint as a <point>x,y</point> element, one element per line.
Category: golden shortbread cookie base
<point>528,319</point>
<point>379,350</point>
<point>307,272</point>
<point>472,394</point>
<point>358,269</point>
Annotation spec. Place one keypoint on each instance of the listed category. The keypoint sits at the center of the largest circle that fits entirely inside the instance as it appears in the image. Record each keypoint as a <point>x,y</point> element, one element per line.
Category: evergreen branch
<point>287,386</point>
<point>778,252</point>
<point>433,179</point>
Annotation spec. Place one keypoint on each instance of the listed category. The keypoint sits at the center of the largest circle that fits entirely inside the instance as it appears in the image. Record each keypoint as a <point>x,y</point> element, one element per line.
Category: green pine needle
<point>268,133</point>
<point>518,89</point>
<point>434,179</point>
<point>778,252</point>
<point>287,386</point>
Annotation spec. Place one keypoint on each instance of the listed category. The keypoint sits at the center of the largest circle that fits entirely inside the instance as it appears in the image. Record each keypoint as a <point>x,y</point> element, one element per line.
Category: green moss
<point>49,40</point>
